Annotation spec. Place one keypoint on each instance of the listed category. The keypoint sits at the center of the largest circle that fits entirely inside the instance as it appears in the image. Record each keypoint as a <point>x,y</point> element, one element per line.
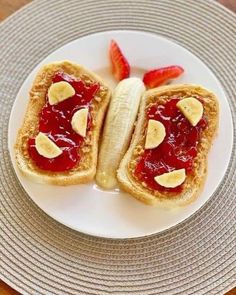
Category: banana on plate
<point>118,129</point>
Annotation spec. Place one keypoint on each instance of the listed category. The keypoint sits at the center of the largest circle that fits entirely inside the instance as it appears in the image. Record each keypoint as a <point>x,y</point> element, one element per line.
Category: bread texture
<point>193,183</point>
<point>85,170</point>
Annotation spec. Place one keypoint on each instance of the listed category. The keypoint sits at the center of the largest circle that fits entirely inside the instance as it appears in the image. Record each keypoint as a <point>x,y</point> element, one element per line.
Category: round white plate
<point>115,214</point>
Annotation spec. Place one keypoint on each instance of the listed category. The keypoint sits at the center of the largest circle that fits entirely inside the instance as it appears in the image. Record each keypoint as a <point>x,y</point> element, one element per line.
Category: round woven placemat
<point>41,256</point>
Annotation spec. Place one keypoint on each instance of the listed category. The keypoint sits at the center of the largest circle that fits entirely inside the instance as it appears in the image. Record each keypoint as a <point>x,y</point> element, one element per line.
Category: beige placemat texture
<point>41,256</point>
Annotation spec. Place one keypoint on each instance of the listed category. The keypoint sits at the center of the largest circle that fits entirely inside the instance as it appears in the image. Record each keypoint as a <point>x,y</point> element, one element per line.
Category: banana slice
<point>46,147</point>
<point>79,121</point>
<point>118,129</point>
<point>171,179</point>
<point>155,134</point>
<point>60,91</point>
<point>192,109</point>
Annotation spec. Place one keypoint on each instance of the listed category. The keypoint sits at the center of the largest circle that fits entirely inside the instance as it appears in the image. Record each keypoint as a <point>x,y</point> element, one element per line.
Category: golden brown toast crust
<point>193,183</point>
<point>86,169</point>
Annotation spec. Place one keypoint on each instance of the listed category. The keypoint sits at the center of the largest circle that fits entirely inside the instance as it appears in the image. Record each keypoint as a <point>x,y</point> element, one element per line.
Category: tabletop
<point>8,7</point>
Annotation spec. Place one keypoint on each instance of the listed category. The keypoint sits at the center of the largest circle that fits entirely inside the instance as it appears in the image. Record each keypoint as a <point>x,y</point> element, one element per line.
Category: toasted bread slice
<point>86,169</point>
<point>194,182</point>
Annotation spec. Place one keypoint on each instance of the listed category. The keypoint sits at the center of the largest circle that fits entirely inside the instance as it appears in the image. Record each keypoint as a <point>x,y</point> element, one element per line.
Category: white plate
<point>88,209</point>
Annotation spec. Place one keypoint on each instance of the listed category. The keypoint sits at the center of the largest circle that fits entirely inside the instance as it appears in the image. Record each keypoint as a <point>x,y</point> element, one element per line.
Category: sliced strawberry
<point>157,77</point>
<point>120,65</point>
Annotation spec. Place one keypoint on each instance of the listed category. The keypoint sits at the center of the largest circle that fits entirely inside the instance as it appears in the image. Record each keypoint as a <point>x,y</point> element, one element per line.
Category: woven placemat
<point>41,256</point>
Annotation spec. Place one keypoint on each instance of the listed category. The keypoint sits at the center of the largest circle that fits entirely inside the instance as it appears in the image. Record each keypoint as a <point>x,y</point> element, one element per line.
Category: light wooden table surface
<point>7,7</point>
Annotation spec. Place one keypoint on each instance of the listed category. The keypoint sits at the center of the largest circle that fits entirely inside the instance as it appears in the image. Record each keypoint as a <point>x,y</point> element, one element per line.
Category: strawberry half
<point>120,65</point>
<point>157,77</point>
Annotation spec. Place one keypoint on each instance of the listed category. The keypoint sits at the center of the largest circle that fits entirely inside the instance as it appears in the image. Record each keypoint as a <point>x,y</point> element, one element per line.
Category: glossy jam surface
<point>55,122</point>
<point>178,149</point>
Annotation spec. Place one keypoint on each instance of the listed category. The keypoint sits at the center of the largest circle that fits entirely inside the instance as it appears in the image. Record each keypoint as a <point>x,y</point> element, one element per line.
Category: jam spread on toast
<point>55,122</point>
<point>178,149</point>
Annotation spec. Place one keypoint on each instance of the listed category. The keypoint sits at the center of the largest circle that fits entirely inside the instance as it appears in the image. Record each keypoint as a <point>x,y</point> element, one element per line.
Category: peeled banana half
<point>118,129</point>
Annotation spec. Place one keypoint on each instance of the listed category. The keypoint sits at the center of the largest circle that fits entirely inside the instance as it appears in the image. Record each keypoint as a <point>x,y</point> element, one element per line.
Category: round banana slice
<point>79,121</point>
<point>60,91</point>
<point>171,179</point>
<point>155,134</point>
<point>192,109</point>
<point>46,147</point>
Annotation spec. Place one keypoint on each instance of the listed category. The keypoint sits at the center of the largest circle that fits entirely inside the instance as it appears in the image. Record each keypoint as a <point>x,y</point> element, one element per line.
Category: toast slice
<point>194,181</point>
<point>85,170</point>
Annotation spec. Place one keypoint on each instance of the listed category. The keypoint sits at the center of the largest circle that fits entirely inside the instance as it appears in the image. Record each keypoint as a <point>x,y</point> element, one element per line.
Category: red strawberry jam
<point>178,149</point>
<point>55,122</point>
